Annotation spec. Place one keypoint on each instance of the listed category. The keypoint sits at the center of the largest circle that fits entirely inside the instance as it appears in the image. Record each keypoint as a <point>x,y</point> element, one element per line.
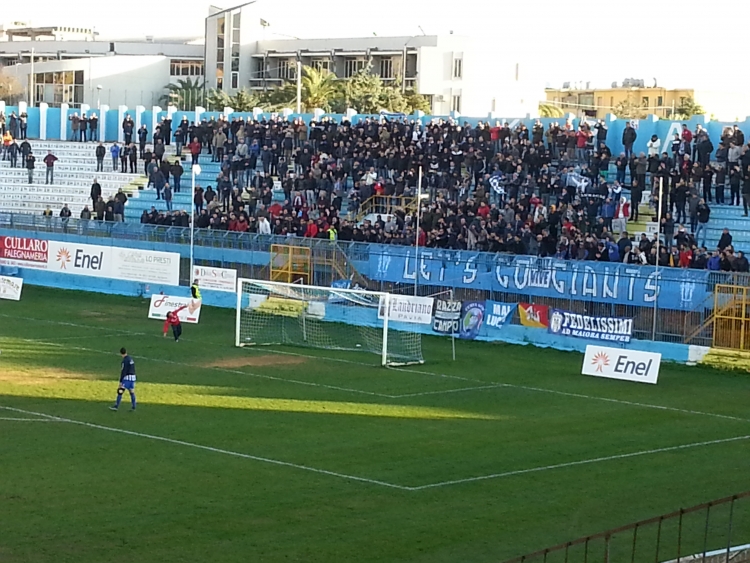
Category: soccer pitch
<point>289,454</point>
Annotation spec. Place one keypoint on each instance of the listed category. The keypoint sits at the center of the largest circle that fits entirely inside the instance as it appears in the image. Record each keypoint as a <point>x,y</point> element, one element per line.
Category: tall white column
<point>103,109</point>
<point>138,119</point>
<point>64,122</point>
<point>155,111</point>
<point>43,107</point>
<point>120,118</point>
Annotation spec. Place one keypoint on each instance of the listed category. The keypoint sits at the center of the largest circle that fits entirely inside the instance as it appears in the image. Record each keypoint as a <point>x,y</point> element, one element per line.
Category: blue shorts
<point>127,384</point>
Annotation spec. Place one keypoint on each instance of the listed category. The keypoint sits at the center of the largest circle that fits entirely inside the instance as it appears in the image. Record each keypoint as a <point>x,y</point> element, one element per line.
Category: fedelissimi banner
<point>609,329</point>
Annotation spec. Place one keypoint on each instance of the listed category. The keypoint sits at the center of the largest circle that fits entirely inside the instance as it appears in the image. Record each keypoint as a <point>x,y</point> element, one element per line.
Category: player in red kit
<point>173,320</point>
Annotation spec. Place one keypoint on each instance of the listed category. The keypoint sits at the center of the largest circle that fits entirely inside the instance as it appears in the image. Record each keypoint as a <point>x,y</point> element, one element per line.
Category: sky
<point>677,42</point>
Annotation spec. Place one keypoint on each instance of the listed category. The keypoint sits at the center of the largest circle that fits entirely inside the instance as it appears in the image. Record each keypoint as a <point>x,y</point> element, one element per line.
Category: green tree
<point>185,94</point>
<point>240,101</point>
<point>629,110</point>
<point>687,109</point>
<point>11,90</point>
<point>319,89</point>
<point>550,110</point>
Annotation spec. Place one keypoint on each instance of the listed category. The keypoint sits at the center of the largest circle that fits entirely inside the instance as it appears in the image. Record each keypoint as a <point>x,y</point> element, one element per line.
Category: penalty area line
<point>580,462</point>
<point>271,461</point>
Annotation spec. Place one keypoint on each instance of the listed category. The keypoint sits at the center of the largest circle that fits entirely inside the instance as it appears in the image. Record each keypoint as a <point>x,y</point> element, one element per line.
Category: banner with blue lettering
<point>498,314</point>
<point>609,329</point>
<point>609,282</point>
<point>472,317</point>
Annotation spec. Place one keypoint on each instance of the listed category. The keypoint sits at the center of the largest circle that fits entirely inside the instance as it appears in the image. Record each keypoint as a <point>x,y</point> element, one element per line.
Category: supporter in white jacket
<point>653,146</point>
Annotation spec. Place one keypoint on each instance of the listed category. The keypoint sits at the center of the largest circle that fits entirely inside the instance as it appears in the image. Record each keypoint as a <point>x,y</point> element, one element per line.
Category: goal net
<point>325,317</point>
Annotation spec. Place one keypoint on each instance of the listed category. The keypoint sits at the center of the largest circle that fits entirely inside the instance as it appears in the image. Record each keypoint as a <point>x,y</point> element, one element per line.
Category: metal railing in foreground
<point>712,532</point>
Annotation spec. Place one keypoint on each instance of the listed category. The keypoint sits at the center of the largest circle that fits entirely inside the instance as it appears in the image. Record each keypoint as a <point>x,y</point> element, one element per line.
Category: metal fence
<point>331,261</point>
<point>713,532</point>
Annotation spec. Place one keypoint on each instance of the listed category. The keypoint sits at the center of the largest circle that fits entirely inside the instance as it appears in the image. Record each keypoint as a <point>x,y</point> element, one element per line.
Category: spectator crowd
<point>539,191</point>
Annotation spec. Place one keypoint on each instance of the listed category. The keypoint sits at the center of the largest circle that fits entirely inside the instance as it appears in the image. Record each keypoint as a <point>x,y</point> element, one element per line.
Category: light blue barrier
<point>512,334</point>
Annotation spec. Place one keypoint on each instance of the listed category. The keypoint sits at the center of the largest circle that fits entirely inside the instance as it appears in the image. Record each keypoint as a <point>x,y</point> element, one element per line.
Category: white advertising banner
<point>10,288</point>
<point>149,266</point>
<point>80,259</point>
<point>219,279</point>
<point>618,363</point>
<point>408,309</point>
<point>162,304</point>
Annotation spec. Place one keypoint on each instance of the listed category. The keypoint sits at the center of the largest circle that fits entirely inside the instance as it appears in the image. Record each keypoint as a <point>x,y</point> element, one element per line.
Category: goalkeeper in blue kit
<point>127,380</point>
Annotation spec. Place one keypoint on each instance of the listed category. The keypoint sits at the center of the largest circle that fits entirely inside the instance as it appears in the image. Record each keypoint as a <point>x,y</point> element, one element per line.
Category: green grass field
<point>240,455</point>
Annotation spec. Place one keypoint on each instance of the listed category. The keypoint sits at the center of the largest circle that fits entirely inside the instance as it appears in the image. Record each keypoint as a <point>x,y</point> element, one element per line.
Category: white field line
<point>14,419</point>
<point>404,370</point>
<point>374,481</point>
<point>580,462</point>
<point>210,449</point>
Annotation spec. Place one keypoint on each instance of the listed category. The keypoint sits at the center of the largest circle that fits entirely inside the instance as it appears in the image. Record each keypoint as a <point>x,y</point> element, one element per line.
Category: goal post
<point>327,318</point>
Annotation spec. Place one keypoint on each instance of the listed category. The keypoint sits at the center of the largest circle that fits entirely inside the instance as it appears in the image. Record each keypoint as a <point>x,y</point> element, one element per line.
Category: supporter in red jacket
<point>173,320</point>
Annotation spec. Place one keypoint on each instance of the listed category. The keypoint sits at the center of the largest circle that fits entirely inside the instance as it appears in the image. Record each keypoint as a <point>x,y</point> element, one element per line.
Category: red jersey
<point>173,318</point>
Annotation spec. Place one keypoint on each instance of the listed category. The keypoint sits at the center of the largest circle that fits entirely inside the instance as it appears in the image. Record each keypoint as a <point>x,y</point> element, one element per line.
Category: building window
<point>321,65</point>
<point>458,68</point>
<point>179,67</point>
<point>220,35</point>
<point>386,68</point>
<point>644,102</point>
<point>287,69</point>
<point>56,88</point>
<point>456,103</point>
<point>682,100</point>
<point>235,62</point>
<point>660,101</point>
<point>353,66</point>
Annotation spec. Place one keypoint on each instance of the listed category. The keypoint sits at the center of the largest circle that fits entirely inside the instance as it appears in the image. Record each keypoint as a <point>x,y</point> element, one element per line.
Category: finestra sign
<point>619,363</point>
<point>162,304</point>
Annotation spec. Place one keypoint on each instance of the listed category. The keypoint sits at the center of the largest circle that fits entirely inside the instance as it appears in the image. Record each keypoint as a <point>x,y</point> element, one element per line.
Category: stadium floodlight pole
<point>195,171</point>
<point>656,271</point>
<point>416,238</point>
<point>299,87</point>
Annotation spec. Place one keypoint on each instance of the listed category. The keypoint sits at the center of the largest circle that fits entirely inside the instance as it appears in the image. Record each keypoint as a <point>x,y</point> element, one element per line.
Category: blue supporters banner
<point>472,317</point>
<point>498,314</point>
<point>607,282</point>
<point>608,329</point>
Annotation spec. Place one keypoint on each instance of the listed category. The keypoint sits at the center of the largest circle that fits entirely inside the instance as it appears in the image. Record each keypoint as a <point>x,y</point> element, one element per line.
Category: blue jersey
<point>128,369</point>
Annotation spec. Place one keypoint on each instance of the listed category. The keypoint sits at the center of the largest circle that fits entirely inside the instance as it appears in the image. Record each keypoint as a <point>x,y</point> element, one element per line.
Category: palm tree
<point>319,88</point>
<point>241,101</point>
<point>185,94</point>
<point>550,110</point>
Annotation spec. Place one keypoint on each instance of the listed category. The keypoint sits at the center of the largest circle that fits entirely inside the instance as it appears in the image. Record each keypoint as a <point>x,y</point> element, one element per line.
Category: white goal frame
<point>383,296</point>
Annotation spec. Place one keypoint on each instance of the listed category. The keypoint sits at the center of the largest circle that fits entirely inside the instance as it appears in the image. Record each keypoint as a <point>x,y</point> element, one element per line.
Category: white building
<point>242,53</point>
<point>21,31</point>
<point>109,72</point>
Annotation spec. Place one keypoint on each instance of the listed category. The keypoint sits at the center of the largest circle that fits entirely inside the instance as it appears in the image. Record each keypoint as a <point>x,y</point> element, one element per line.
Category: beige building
<point>598,103</point>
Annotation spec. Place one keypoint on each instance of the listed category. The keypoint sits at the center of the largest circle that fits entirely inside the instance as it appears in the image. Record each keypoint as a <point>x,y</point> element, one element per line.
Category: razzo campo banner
<point>616,283</point>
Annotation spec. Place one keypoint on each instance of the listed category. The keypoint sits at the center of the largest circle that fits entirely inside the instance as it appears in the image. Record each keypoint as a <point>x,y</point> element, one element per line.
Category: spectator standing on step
<point>127,129</point>
<point>93,127</point>
<point>168,196</point>
<point>50,160</point>
<point>704,212</point>
<point>75,125</point>
<point>142,139</point>
<point>118,210</point>
<point>65,217</point>
<point>30,160</point>
<point>629,137</point>
<point>159,150</point>
<point>84,127</point>
<point>133,158</point>
<point>218,142</point>
<point>96,192</point>
<point>24,123</point>
<point>726,240</point>
<point>124,154</point>
<point>114,150</point>
<point>99,208</point>
<point>195,150</point>
<point>100,152</point>
<point>177,171</point>
<point>13,151</point>
<point>179,140</point>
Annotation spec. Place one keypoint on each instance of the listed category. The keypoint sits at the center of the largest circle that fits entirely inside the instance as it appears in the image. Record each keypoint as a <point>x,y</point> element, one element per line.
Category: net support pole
<point>386,314</point>
<point>453,336</point>
<point>239,313</point>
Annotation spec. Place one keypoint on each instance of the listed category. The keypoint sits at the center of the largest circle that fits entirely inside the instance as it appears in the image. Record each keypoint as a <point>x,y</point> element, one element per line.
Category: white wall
<point>125,80</point>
